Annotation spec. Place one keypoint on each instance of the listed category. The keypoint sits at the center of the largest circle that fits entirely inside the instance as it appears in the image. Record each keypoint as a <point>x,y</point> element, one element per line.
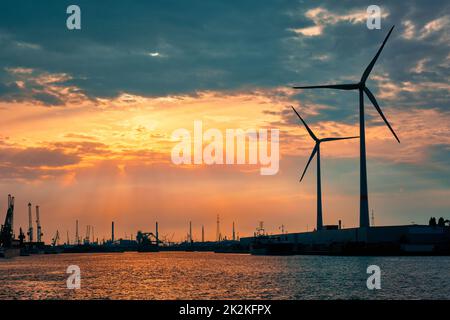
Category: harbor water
<point>205,275</point>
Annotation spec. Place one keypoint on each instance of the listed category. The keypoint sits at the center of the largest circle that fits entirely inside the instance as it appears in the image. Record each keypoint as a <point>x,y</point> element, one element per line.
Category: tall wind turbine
<point>315,151</point>
<point>361,87</point>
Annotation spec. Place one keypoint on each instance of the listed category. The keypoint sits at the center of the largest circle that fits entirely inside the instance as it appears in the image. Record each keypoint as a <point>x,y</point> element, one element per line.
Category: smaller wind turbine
<point>315,151</point>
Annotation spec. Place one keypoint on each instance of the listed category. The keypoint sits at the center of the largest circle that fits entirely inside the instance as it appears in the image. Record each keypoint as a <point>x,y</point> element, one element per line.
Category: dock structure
<point>385,240</point>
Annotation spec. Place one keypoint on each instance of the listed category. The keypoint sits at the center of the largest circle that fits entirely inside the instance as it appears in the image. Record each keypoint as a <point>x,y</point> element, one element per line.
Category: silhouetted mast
<point>11,204</point>
<point>373,219</point>
<point>234,234</point>
<point>218,235</point>
<point>87,237</point>
<point>77,238</point>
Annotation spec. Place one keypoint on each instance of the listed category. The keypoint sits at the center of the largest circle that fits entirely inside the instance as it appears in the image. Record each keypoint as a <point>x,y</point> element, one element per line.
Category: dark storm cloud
<point>36,86</point>
<point>8,89</point>
<point>200,45</point>
<point>170,47</point>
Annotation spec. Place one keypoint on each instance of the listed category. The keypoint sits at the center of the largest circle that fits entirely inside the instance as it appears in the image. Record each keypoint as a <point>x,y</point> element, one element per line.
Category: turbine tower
<point>361,87</point>
<point>315,151</point>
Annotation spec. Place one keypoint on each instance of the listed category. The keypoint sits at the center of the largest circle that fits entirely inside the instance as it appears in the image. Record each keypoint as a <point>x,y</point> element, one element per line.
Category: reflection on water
<point>195,275</point>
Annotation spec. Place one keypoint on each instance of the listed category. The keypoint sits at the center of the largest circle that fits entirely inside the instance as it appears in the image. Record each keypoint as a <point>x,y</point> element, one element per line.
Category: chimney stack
<point>234,234</point>
<point>112,231</point>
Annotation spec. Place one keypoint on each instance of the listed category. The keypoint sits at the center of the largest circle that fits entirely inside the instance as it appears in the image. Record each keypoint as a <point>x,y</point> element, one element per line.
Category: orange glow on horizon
<point>110,160</point>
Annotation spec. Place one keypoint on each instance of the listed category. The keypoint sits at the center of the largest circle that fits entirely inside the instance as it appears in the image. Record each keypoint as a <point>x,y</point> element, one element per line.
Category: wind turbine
<point>361,87</point>
<point>315,151</point>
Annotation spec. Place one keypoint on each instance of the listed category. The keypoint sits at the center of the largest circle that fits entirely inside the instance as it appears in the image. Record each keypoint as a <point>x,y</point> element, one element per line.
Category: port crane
<point>147,242</point>
<point>146,238</point>
<point>7,233</point>
<point>55,240</point>
<point>21,237</point>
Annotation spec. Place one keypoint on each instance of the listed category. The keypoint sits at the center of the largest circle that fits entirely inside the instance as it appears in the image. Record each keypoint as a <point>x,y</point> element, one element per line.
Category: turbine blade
<point>306,126</point>
<point>372,63</point>
<point>336,139</point>
<point>309,161</point>
<point>375,104</point>
<point>330,86</point>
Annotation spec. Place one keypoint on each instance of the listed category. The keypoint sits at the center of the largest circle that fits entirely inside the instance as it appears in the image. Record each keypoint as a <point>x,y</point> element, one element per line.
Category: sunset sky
<point>86,116</point>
